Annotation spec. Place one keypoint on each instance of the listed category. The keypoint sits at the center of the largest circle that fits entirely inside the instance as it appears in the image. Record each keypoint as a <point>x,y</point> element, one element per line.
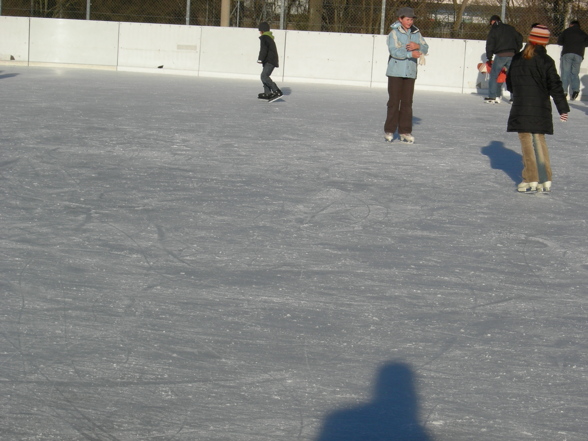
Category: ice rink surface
<point>181,261</point>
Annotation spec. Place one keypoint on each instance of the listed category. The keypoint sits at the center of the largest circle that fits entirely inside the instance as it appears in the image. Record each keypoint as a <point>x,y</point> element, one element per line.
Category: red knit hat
<point>539,35</point>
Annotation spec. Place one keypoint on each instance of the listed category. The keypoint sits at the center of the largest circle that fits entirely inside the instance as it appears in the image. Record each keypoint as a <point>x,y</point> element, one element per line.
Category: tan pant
<point>536,164</point>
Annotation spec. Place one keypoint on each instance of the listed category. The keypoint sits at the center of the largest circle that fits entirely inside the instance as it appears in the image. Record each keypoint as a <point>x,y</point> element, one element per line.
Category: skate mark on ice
<point>443,350</point>
<point>34,368</point>
<point>496,302</point>
<point>5,164</point>
<point>537,244</point>
<point>160,233</point>
<point>161,238</point>
<point>550,259</point>
<point>338,207</point>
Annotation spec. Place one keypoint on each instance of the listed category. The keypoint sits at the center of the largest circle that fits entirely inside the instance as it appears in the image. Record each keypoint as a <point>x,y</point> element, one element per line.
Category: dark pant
<point>399,116</point>
<point>268,85</point>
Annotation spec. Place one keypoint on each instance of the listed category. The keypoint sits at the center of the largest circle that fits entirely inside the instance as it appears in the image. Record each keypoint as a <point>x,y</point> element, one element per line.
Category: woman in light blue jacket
<point>407,47</point>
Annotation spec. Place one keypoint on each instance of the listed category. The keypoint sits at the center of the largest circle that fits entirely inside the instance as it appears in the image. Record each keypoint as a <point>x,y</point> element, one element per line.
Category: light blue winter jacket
<point>401,63</point>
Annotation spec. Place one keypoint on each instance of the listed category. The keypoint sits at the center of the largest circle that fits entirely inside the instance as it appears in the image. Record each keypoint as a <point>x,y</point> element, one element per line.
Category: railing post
<point>282,14</point>
<point>503,11</point>
<point>383,19</point>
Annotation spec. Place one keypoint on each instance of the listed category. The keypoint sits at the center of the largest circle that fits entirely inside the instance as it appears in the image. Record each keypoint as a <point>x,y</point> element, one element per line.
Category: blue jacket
<point>401,64</point>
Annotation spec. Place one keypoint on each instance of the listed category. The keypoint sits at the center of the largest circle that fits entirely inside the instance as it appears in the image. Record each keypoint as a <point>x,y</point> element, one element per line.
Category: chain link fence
<point>442,18</point>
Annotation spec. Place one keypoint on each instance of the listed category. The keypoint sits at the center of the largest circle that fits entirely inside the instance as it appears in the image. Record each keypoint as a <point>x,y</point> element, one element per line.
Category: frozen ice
<point>182,261</point>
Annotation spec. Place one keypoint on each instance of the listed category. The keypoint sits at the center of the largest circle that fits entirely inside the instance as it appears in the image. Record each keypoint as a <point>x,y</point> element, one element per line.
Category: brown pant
<point>399,116</point>
<point>536,164</point>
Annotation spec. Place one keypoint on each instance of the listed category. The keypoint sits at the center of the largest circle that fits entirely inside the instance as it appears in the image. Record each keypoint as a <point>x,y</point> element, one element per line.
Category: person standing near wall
<point>407,47</point>
<point>573,41</point>
<point>502,44</point>
<point>533,79</point>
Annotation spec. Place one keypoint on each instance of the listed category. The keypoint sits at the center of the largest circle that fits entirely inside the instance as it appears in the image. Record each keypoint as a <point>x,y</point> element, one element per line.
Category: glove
<point>563,117</point>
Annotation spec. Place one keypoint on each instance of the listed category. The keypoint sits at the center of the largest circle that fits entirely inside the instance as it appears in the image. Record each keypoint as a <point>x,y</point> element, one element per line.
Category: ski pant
<point>569,66</point>
<point>399,115</point>
<point>268,85</point>
<point>536,164</point>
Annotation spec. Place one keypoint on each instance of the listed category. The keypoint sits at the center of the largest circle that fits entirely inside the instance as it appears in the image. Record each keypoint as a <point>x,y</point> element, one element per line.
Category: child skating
<point>268,58</point>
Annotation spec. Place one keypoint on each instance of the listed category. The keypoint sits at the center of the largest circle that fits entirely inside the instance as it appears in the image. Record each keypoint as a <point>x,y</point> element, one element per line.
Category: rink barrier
<point>309,57</point>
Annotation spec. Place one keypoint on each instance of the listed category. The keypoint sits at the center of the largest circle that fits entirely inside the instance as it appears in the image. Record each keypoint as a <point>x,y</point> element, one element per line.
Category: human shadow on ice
<point>391,415</point>
<point>504,159</point>
<point>3,76</point>
<point>575,105</point>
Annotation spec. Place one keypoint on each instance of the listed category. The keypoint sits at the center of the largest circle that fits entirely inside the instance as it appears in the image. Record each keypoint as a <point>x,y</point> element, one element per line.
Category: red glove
<point>563,117</point>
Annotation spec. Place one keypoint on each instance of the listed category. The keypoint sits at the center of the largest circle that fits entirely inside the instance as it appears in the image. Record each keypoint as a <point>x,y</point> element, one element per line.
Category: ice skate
<point>544,187</point>
<point>527,187</point>
<point>489,100</point>
<point>274,96</point>
<point>389,136</point>
<point>407,137</point>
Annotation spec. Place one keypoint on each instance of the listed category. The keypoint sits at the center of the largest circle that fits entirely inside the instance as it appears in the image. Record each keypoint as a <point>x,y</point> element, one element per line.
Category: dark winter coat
<point>532,82</point>
<point>503,38</point>
<point>574,40</point>
<point>268,53</point>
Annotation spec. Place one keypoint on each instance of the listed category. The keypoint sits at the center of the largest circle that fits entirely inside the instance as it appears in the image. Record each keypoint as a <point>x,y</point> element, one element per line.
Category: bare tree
<point>458,10</point>
<point>315,15</point>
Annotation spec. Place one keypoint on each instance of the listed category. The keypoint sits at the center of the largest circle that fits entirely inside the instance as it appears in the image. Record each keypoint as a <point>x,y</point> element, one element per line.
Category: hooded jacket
<point>401,64</point>
<point>268,53</point>
<point>532,83</point>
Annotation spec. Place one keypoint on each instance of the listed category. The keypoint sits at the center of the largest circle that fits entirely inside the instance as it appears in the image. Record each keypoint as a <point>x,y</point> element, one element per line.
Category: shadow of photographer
<point>391,415</point>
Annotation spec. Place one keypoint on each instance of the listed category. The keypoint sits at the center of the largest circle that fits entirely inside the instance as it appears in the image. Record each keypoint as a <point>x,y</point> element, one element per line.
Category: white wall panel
<point>473,80</point>
<point>148,46</point>
<point>14,39</point>
<point>317,57</point>
<point>380,62</point>
<point>444,65</point>
<point>82,42</point>
<point>329,57</point>
<point>554,51</point>
<point>232,52</point>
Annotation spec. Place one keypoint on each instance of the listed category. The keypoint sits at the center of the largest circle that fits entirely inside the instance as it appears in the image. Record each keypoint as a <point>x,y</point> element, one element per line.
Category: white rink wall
<point>311,57</point>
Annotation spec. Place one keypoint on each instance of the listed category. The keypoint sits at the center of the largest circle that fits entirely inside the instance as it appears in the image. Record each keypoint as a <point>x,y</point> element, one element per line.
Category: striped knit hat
<point>539,35</point>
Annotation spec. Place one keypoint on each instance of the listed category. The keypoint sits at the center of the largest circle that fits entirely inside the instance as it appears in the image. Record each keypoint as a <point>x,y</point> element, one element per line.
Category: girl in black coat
<point>532,79</point>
